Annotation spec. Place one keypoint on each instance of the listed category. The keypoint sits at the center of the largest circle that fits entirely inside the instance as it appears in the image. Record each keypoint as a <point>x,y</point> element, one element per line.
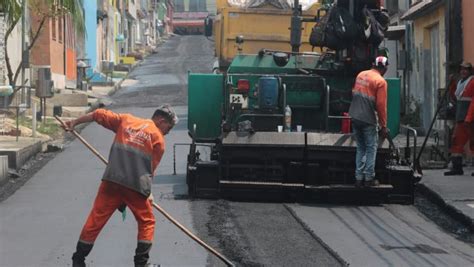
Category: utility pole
<point>125,30</point>
<point>2,45</point>
<point>23,49</point>
<point>22,98</point>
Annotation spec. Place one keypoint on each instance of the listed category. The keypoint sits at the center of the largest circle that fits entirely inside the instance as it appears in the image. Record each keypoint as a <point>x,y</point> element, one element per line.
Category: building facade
<point>428,54</point>
<point>55,47</point>
<point>115,31</point>
<point>14,54</point>
<point>467,9</point>
<point>430,39</point>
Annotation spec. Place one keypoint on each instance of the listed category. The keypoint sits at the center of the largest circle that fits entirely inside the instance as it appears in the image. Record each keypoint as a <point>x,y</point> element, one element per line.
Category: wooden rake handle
<point>156,206</point>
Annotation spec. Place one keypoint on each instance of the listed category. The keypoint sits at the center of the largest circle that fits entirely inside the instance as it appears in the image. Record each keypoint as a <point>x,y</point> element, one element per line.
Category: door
<point>435,72</point>
<point>430,76</point>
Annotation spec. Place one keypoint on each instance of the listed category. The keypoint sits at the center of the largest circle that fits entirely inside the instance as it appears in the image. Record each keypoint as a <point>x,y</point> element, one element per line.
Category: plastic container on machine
<point>287,118</point>
<point>268,92</point>
<point>346,123</point>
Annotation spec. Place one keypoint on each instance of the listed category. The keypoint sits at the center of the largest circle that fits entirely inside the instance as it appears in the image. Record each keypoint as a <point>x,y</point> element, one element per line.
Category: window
<point>53,28</point>
<point>197,5</point>
<point>202,5</point>
<point>69,30</point>
<point>414,2</point>
<point>60,29</point>
<point>193,5</point>
<point>179,5</point>
<point>392,7</point>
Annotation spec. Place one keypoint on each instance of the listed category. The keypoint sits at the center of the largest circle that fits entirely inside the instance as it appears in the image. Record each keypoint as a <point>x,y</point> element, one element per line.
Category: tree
<point>45,10</point>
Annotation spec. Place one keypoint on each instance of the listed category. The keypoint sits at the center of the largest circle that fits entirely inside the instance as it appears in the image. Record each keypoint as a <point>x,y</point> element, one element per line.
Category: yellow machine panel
<point>262,27</point>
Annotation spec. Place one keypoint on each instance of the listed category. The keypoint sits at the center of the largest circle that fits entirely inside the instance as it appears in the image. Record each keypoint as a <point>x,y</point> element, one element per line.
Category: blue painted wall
<point>90,10</point>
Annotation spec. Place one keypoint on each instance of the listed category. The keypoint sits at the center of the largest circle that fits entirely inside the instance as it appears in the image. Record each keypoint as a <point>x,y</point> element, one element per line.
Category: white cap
<point>381,61</point>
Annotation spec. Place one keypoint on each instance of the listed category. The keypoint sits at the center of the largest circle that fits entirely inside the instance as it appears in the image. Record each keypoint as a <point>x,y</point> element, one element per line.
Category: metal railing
<point>19,100</point>
<point>183,144</point>
<point>407,148</point>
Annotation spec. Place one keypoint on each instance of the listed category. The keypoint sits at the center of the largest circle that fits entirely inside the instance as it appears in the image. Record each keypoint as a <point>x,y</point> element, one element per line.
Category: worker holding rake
<point>136,152</point>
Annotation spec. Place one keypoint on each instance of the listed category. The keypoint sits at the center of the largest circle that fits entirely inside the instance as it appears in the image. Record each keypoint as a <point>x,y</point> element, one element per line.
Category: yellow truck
<point>265,26</point>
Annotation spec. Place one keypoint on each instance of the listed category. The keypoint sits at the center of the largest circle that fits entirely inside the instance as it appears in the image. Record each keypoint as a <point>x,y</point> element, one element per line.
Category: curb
<point>446,206</point>
<point>3,169</point>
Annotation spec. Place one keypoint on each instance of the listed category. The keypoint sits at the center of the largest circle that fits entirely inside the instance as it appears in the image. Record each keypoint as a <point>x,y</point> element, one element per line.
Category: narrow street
<point>46,215</point>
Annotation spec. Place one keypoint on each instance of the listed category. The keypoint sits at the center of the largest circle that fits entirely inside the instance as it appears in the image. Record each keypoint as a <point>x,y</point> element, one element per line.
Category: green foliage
<point>45,10</point>
<point>119,74</point>
<point>54,8</point>
<point>48,127</point>
<point>12,10</point>
<point>74,7</point>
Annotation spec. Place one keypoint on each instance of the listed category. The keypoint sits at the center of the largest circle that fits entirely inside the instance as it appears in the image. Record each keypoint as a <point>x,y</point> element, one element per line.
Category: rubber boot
<point>142,254</point>
<point>82,250</point>
<point>457,167</point>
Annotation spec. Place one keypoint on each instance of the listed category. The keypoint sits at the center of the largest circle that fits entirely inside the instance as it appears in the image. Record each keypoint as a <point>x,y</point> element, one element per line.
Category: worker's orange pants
<point>463,132</point>
<point>108,199</point>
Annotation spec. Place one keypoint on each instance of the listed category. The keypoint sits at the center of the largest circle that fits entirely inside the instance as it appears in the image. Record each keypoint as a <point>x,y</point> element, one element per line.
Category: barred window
<point>53,28</point>
<point>179,5</point>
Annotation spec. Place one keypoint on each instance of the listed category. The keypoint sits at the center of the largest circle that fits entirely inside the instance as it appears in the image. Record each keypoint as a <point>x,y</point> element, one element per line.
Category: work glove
<point>123,209</point>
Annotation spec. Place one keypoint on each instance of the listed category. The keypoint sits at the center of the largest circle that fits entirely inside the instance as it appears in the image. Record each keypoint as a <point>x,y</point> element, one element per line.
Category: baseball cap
<point>381,61</point>
<point>466,65</point>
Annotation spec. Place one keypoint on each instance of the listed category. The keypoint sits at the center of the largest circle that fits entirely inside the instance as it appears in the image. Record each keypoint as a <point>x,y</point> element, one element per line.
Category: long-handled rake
<point>157,207</point>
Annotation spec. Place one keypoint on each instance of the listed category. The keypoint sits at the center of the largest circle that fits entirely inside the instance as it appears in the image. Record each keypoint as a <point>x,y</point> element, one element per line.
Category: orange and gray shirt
<point>136,152</point>
<point>464,94</point>
<point>369,96</point>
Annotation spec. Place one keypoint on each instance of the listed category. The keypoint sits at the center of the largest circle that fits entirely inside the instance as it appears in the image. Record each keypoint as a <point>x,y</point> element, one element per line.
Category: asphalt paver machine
<point>274,126</point>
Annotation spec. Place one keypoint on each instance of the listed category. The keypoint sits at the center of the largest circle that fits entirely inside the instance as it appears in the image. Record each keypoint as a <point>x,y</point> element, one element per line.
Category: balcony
<point>421,8</point>
<point>142,10</point>
<point>153,5</point>
<point>131,9</point>
<point>104,6</point>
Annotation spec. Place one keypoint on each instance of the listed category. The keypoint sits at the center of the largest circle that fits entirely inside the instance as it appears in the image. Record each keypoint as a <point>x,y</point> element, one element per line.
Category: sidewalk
<point>19,152</point>
<point>72,103</point>
<point>453,193</point>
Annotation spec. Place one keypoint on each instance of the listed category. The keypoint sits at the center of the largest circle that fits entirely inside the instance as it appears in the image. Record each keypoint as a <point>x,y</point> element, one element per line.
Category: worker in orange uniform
<point>368,110</point>
<point>464,128</point>
<point>136,152</point>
